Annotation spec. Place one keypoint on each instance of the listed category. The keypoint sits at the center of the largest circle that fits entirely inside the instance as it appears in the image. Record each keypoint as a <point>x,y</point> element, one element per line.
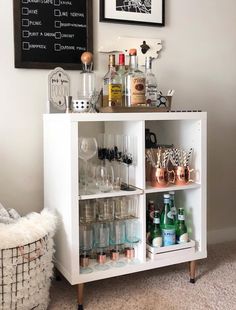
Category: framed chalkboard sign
<point>52,33</point>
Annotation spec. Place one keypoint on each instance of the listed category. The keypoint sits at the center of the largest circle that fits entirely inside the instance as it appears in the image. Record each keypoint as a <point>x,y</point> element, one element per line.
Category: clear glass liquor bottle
<point>156,234</point>
<point>181,228</point>
<point>112,86</point>
<point>134,82</point>
<point>121,72</point>
<point>151,83</point>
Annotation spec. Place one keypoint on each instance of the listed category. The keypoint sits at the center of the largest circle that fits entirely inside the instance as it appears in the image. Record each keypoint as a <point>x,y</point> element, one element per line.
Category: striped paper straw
<point>189,155</point>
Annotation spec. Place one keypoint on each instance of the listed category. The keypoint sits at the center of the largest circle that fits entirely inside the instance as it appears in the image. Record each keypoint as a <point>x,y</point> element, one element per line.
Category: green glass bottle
<point>181,228</point>
<point>149,217</point>
<point>156,234</point>
<point>166,215</point>
<point>173,207</point>
<point>167,223</point>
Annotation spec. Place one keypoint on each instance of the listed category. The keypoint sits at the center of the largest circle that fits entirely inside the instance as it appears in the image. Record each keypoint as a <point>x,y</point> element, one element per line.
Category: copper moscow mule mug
<point>161,177</point>
<point>183,175</point>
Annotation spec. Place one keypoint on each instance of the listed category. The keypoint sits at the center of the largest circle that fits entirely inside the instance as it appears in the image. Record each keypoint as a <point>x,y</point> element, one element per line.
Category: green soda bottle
<point>173,207</point>
<point>155,234</point>
<point>181,228</point>
<point>167,223</point>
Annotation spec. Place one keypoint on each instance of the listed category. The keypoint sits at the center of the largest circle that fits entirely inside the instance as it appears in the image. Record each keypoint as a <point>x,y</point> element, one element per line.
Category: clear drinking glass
<point>105,209</point>
<point>117,239</point>
<point>87,211</point>
<point>121,208</point>
<point>104,178</point>
<point>86,245</point>
<point>101,243</point>
<point>87,149</point>
<point>133,233</point>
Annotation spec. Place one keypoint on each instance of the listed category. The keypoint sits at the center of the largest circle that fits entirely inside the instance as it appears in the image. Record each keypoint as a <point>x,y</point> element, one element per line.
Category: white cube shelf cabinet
<point>61,182</point>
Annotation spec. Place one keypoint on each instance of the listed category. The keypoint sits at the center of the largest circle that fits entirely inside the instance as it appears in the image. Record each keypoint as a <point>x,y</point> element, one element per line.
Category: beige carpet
<point>165,288</point>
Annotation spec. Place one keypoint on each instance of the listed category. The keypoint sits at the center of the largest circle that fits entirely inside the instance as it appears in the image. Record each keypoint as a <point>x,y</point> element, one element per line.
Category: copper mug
<point>183,175</point>
<point>161,177</point>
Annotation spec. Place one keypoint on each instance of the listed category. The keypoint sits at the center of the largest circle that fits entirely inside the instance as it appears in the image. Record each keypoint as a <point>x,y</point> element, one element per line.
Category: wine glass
<point>132,230</point>
<point>117,239</point>
<point>86,245</point>
<point>87,149</point>
<point>128,159</point>
<point>101,242</point>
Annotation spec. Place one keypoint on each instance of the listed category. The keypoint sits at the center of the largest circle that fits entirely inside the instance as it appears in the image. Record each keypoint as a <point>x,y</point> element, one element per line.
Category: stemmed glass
<point>86,245</point>
<point>87,149</point>
<point>101,242</point>
<point>132,228</point>
<point>128,159</point>
<point>117,239</point>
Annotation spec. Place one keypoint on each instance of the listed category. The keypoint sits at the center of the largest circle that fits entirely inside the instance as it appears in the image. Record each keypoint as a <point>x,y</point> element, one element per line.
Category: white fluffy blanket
<point>27,229</point>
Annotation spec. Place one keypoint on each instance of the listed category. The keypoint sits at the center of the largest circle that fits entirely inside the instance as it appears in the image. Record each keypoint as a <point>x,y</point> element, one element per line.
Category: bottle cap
<point>133,52</point>
<point>121,59</point>
<point>151,201</point>
<point>112,60</point>
<point>166,196</point>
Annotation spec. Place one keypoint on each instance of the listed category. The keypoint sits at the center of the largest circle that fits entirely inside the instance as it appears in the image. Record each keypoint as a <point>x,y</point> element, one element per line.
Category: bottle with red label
<point>135,83</point>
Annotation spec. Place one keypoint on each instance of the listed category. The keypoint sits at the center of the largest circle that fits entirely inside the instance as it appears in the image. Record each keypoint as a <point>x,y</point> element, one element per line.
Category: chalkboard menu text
<point>52,33</point>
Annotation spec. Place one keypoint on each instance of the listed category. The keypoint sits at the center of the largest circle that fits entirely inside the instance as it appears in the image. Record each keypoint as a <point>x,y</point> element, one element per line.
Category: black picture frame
<point>112,12</point>
<point>24,60</point>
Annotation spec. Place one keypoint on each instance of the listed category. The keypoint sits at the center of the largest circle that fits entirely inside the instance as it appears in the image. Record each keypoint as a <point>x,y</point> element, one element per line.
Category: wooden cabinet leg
<point>80,296</point>
<point>192,271</point>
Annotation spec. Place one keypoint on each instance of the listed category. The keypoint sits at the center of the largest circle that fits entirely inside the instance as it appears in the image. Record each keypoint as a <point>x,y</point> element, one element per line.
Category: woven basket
<point>25,275</point>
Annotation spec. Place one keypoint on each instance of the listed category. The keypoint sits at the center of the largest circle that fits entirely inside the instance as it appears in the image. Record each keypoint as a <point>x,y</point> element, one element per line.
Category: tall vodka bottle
<point>134,82</point>
<point>151,83</point>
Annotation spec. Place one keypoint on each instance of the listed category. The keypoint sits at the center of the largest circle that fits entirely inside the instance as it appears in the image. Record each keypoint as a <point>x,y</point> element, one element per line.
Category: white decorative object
<point>58,88</point>
<point>26,266</point>
<point>145,47</point>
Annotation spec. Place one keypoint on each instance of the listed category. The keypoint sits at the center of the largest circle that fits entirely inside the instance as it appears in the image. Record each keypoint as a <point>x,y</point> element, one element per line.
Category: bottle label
<point>115,93</point>
<point>173,211</point>
<point>168,236</point>
<point>170,215</point>
<point>156,220</point>
<point>183,238</point>
<point>157,242</point>
<point>138,90</point>
<point>181,217</point>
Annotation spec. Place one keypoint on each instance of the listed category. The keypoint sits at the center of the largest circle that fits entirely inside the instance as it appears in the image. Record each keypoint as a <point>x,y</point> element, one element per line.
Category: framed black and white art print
<point>143,12</point>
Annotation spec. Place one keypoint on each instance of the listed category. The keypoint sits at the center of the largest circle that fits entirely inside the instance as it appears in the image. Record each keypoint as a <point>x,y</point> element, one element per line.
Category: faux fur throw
<point>27,229</point>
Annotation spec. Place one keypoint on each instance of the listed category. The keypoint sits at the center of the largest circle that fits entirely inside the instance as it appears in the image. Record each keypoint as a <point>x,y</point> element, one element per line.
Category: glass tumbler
<point>87,211</point>
<point>105,210</point>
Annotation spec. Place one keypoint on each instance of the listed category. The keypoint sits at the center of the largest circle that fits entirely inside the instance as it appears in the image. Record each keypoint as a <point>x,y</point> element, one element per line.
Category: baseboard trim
<point>221,235</point>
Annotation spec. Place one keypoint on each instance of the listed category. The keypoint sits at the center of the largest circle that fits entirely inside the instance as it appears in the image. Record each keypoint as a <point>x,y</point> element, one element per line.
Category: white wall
<point>198,61</point>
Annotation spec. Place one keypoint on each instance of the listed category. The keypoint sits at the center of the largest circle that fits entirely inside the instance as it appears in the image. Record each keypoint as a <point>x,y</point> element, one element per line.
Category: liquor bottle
<point>167,223</point>
<point>134,82</point>
<point>156,234</point>
<point>112,86</point>
<point>181,228</point>
<point>173,207</point>
<point>121,72</point>
<point>151,83</point>
<point>149,216</point>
